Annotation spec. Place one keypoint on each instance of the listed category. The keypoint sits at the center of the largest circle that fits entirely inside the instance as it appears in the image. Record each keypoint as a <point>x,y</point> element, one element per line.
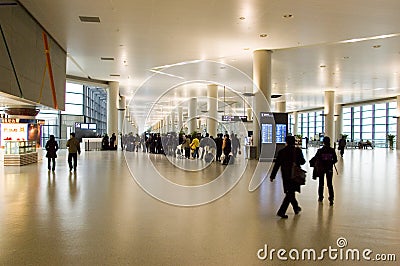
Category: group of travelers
<point>226,147</point>
<point>132,143</point>
<point>291,156</point>
<point>108,143</point>
<point>52,147</point>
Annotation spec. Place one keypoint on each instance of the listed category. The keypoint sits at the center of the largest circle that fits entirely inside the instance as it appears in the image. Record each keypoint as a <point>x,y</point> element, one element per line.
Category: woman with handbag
<point>285,159</point>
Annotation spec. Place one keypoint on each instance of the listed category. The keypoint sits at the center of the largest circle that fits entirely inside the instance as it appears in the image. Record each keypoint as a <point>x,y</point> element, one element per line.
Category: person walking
<point>342,145</point>
<point>51,148</point>
<point>286,157</point>
<point>325,158</point>
<point>227,148</point>
<point>74,149</point>
<point>186,146</point>
<point>218,143</point>
<point>235,145</point>
<point>194,146</point>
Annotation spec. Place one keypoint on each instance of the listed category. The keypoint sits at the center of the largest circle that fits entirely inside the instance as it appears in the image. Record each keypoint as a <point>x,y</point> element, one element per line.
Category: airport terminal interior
<point>138,82</point>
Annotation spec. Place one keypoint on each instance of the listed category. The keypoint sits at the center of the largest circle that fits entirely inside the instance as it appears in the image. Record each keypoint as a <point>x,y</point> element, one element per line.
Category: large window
<point>347,122</point>
<point>361,122</point>
<point>73,99</point>
<point>51,124</point>
<point>319,123</point>
<point>366,122</point>
<point>370,122</point>
<point>96,108</point>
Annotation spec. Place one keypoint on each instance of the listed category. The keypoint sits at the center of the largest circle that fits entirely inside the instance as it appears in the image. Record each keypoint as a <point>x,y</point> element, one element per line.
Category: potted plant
<point>390,139</point>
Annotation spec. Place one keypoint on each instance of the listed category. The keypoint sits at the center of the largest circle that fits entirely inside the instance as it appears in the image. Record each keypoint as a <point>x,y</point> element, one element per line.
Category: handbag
<point>298,175</point>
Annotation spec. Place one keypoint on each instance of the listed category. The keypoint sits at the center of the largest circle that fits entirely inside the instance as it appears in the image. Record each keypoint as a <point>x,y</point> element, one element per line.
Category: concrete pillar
<point>281,107</point>
<point>296,123</point>
<point>173,125</point>
<point>212,99</point>
<point>180,118</point>
<point>249,114</point>
<point>262,87</point>
<point>121,117</point>
<point>329,112</point>
<point>398,124</point>
<point>338,121</point>
<point>165,123</point>
<point>112,108</point>
<point>192,113</point>
<point>168,125</point>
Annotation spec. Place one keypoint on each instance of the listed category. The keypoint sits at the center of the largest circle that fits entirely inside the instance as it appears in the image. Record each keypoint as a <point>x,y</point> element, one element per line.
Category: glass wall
<point>84,104</point>
<point>360,122</point>
<point>73,99</point>
<point>51,124</point>
<point>370,122</point>
<point>311,124</point>
<point>96,108</point>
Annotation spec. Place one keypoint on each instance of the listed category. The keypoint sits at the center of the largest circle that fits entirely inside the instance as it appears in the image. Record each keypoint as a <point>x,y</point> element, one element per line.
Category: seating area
<point>360,144</point>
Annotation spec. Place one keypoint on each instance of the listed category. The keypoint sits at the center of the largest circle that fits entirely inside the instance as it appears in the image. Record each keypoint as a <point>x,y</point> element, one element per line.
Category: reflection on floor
<point>101,216</point>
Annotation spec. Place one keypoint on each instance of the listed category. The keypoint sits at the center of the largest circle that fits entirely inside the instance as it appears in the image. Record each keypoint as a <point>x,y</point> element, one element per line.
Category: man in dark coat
<point>326,158</point>
<point>227,148</point>
<point>342,145</point>
<point>285,160</point>
<point>218,143</point>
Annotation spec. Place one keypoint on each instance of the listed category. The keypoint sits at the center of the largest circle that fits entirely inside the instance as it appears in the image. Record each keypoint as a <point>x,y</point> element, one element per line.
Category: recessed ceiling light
<point>322,66</point>
<point>376,46</point>
<point>107,58</point>
<point>346,57</point>
<point>288,16</point>
<point>263,35</point>
<point>242,18</point>
<point>246,49</point>
<point>89,19</point>
<point>115,75</point>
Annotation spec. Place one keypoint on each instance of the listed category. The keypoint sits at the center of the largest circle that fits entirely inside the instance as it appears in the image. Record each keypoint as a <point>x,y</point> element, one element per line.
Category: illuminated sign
<point>10,120</point>
<point>84,126</point>
<point>242,118</point>
<point>281,133</point>
<point>266,133</point>
<point>13,132</point>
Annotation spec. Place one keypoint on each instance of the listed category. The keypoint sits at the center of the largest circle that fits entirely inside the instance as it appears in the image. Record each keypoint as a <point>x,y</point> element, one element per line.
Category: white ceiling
<point>144,35</point>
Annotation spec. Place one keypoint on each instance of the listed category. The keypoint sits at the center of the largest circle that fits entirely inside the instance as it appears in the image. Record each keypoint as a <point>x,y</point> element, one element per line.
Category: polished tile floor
<point>112,211</point>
